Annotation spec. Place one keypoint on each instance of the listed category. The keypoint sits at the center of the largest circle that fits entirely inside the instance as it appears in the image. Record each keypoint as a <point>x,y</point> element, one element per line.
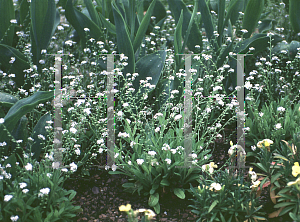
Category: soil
<point>101,194</point>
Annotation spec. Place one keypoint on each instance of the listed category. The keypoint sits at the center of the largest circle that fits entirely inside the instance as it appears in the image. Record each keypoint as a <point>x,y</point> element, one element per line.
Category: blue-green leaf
<point>7,13</point>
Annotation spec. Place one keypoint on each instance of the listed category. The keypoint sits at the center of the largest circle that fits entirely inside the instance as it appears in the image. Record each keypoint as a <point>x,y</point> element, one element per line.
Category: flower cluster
<point>210,167</point>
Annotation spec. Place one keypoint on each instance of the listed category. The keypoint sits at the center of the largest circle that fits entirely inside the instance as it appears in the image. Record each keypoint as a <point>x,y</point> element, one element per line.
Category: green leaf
<point>7,13</point>
<point>177,40</point>
<point>43,15</point>
<point>275,177</point>
<point>213,205</point>
<point>252,15</point>
<point>20,63</point>
<point>92,12</point>
<point>294,12</point>
<point>179,192</point>
<point>235,6</point>
<point>20,132</point>
<point>110,27</point>
<point>221,16</point>
<point>149,66</point>
<point>123,40</point>
<point>153,199</point>
<point>164,182</point>
<point>7,100</point>
<point>258,41</point>
<point>207,22</point>
<point>24,106</point>
<point>39,129</point>
<point>293,49</point>
<point>143,27</point>
<point>24,11</point>
<point>284,204</point>
<point>80,21</point>
<point>157,208</point>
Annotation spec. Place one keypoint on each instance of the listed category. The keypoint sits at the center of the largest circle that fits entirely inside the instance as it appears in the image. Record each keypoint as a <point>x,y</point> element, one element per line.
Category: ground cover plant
<point>150,93</point>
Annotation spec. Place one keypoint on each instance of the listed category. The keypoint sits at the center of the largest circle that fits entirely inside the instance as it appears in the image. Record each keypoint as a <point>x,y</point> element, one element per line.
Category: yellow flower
<point>212,165</point>
<point>265,142</point>
<point>255,184</point>
<point>125,208</point>
<point>149,213</point>
<point>296,169</point>
<point>294,182</point>
<point>250,169</point>
<point>231,144</point>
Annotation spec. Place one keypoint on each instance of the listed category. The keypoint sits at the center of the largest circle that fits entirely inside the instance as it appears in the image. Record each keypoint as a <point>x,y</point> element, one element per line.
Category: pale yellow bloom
<point>125,208</point>
<point>213,165</point>
<point>255,184</point>
<point>294,182</point>
<point>266,143</point>
<point>148,213</point>
<point>296,169</point>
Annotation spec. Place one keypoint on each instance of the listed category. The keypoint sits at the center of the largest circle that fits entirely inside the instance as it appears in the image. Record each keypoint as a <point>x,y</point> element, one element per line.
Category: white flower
<point>14,218</point>
<point>216,186</point>
<point>49,175</point>
<point>44,191</point>
<point>125,104</point>
<point>28,166</point>
<point>194,155</point>
<point>25,190</point>
<point>129,162</point>
<point>248,85</point>
<point>280,109</point>
<point>1,120</point>
<point>173,151</point>
<point>168,161</point>
<point>151,153</point>
<point>7,197</point>
<point>261,114</point>
<point>100,141</point>
<point>22,185</point>
<point>278,126</point>
<point>14,21</point>
<point>100,150</point>
<point>87,111</point>
<point>157,129</point>
<point>77,151</point>
<point>113,167</point>
<point>140,161</point>
<point>120,113</point>
<point>253,147</point>
<point>73,130</point>
<point>86,29</point>
<point>73,167</point>
<point>177,117</point>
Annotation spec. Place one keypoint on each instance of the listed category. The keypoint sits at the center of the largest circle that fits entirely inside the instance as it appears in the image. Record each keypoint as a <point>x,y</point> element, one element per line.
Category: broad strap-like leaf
<point>110,27</point>
<point>24,106</point>
<point>7,28</point>
<point>7,100</point>
<point>177,40</point>
<point>92,11</point>
<point>143,27</point>
<point>80,21</point>
<point>221,16</point>
<point>20,63</point>
<point>123,40</point>
<point>252,15</point>
<point>43,15</point>
<point>294,12</point>
<point>39,129</point>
